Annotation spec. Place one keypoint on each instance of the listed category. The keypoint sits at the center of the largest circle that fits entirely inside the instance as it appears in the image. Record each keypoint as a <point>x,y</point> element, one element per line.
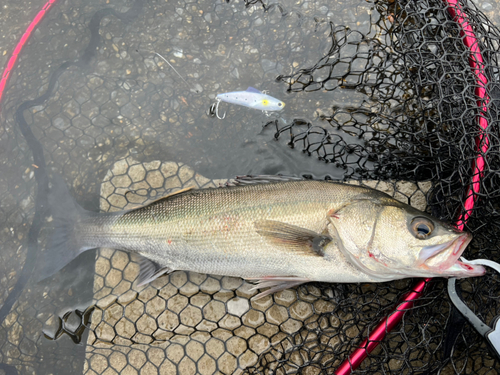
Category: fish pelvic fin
<point>150,270</point>
<point>63,246</point>
<point>275,284</point>
<point>293,237</point>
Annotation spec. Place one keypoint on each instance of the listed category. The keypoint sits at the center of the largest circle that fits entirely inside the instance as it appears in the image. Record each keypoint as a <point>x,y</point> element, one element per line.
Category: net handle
<point>17,51</point>
<point>477,65</point>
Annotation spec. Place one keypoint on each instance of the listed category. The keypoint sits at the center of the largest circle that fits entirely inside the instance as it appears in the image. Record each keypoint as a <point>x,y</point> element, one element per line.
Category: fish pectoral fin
<point>275,284</point>
<point>293,237</point>
<point>150,271</point>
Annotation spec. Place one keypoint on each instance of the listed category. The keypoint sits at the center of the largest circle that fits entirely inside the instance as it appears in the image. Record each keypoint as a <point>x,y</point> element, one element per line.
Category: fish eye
<point>421,227</point>
<point>279,104</point>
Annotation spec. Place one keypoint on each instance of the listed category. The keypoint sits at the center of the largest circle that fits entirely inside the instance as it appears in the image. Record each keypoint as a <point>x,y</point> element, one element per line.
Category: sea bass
<point>278,232</point>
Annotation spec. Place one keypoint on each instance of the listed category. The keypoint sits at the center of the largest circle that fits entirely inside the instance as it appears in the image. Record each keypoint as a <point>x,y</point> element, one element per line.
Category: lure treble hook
<point>214,110</point>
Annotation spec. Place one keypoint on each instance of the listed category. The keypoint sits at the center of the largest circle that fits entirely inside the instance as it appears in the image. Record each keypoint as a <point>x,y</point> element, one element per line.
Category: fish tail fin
<point>64,245</point>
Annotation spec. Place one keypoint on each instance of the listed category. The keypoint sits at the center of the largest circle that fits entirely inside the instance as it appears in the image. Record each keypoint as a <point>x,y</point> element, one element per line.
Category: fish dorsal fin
<point>293,237</point>
<point>261,179</point>
<point>150,271</point>
<point>163,197</point>
<point>172,194</point>
<point>253,89</point>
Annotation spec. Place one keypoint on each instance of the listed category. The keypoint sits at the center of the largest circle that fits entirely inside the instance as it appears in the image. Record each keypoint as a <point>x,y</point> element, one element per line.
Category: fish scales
<point>213,231</point>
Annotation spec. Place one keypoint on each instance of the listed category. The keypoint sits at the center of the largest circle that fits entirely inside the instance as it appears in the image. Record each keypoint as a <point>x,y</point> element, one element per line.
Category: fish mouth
<point>444,260</point>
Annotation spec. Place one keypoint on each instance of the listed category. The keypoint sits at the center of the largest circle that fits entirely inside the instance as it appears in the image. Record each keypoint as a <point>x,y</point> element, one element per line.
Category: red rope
<point>476,62</point>
<point>13,58</point>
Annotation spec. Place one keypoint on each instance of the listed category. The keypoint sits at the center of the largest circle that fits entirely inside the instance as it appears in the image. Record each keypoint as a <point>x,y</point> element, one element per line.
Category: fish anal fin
<point>275,284</point>
<point>150,271</point>
<point>253,89</point>
<point>293,237</point>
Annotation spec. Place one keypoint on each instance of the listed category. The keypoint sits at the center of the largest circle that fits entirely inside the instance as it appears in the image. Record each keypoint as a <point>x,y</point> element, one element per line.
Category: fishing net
<point>380,93</point>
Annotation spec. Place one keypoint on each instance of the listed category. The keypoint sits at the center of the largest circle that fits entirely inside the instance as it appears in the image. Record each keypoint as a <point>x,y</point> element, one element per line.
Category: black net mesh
<point>379,93</point>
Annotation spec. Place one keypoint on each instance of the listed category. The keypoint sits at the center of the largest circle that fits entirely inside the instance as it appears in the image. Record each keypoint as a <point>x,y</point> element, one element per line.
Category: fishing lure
<point>251,98</point>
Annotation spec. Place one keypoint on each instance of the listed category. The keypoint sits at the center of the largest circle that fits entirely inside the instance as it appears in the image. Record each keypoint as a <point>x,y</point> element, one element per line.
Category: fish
<point>252,98</point>
<point>274,231</point>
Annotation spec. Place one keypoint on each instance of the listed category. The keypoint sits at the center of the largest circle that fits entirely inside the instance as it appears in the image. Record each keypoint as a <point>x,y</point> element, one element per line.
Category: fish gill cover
<point>380,92</point>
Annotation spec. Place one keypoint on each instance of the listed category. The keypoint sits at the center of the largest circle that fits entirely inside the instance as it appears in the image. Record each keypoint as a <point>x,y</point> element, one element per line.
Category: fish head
<point>268,103</point>
<point>388,240</point>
